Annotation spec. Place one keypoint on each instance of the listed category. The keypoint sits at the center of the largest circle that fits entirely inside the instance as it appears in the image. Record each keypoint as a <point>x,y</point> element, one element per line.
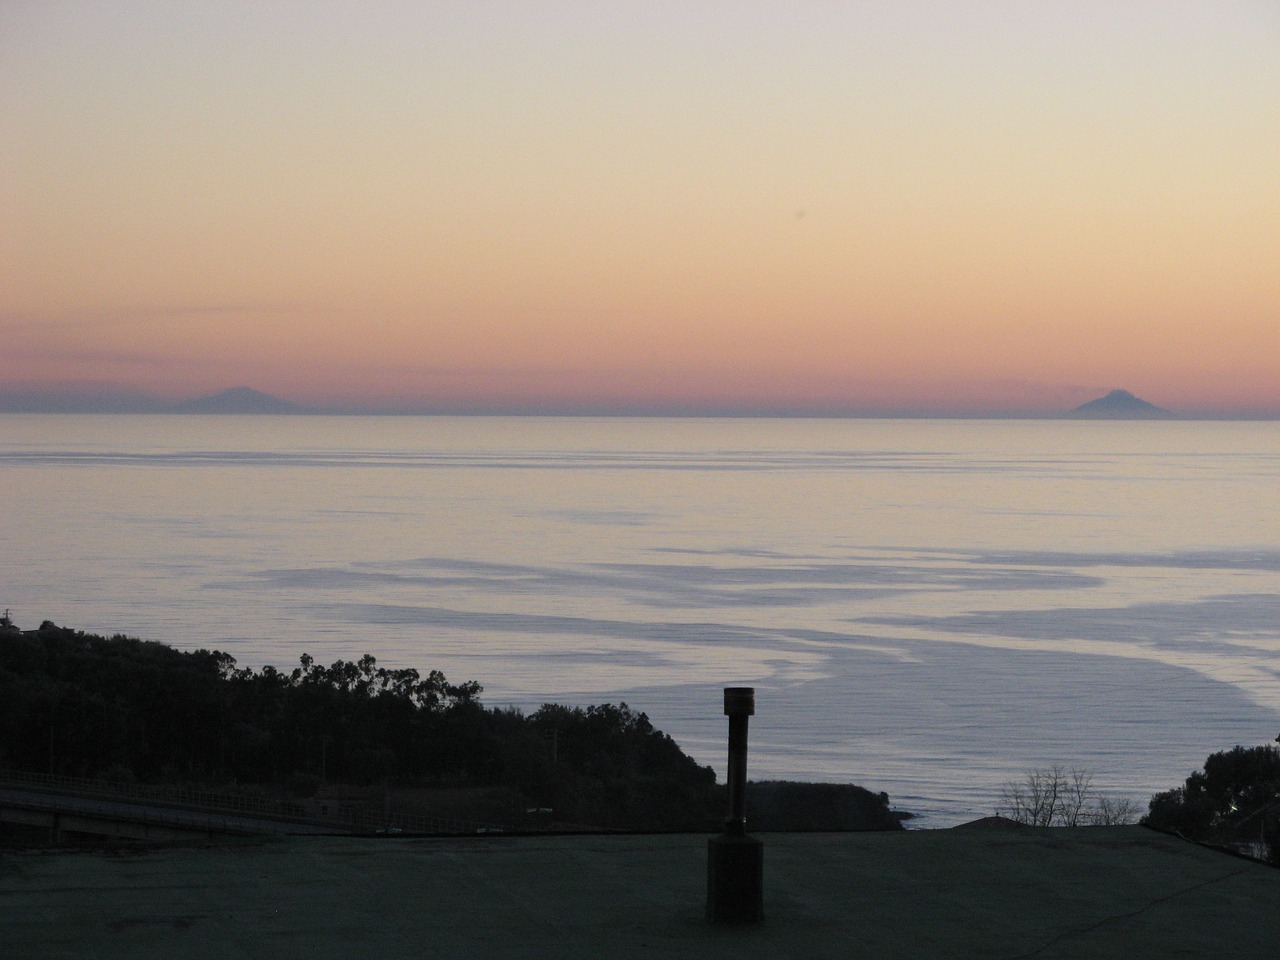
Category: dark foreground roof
<point>1093,892</point>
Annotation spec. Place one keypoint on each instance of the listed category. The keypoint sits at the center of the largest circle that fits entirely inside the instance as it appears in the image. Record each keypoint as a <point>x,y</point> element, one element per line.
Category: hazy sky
<point>842,207</point>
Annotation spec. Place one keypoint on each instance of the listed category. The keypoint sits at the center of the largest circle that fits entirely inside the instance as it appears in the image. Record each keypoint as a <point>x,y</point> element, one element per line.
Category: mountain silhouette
<point>237,400</point>
<point>1120,405</point>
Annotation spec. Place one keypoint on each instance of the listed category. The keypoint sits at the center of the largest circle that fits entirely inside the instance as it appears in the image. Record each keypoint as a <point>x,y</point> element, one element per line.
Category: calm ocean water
<point>927,608</point>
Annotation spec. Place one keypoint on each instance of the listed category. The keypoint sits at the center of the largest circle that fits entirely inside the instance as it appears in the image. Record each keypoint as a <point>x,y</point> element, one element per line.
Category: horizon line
<point>253,402</point>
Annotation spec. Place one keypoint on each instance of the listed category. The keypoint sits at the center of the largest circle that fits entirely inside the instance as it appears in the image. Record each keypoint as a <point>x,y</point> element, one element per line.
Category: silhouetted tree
<point>82,705</point>
<point>1237,788</point>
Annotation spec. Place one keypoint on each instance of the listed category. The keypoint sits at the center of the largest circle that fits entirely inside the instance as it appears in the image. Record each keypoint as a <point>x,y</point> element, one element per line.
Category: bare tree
<point>1036,799</point>
<point>1113,813</point>
<point>1057,797</point>
<point>1075,797</point>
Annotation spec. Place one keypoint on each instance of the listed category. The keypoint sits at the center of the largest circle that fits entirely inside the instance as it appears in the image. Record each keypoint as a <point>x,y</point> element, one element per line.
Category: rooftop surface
<point>1005,893</point>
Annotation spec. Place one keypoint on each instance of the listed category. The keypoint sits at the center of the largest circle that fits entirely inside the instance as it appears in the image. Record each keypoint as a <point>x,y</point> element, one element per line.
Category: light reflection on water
<point>927,608</point>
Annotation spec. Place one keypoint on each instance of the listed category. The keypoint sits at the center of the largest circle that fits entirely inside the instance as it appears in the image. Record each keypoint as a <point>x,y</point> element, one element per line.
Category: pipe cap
<point>739,701</point>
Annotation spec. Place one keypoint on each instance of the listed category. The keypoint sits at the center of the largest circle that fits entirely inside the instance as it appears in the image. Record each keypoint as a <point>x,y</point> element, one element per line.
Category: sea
<point>928,608</point>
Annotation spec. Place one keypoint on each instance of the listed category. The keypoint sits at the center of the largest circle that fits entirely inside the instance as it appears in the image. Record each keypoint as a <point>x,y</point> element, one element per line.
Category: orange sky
<point>967,207</point>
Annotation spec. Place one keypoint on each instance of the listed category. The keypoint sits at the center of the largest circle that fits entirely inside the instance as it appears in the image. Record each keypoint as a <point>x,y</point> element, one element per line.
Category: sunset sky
<point>859,207</point>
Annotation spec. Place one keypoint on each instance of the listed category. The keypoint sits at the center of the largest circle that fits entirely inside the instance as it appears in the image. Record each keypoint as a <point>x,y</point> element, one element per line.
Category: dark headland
<point>1120,405</point>
<point>369,742</point>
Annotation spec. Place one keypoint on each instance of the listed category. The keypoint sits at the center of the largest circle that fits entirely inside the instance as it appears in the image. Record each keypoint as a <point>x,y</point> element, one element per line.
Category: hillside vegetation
<point>83,705</point>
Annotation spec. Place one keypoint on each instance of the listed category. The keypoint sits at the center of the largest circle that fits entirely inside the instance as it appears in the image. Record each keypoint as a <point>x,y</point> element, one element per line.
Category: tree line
<point>82,705</point>
<point>1233,801</point>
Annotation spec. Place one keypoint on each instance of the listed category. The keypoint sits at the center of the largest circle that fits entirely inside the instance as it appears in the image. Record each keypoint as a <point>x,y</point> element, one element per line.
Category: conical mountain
<point>1120,405</point>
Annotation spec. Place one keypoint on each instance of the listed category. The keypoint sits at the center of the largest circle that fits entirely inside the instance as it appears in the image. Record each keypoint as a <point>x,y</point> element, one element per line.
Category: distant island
<point>1120,405</point>
<point>238,400</point>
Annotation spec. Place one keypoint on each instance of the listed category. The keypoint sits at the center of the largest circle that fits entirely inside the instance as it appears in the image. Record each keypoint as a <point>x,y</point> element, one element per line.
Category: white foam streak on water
<point>927,608</point>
